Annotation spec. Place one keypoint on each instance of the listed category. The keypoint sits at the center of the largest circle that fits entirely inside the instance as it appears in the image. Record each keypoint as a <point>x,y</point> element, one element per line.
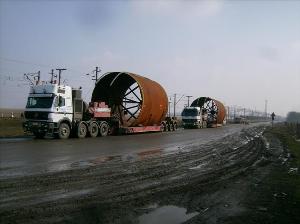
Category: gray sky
<point>239,52</point>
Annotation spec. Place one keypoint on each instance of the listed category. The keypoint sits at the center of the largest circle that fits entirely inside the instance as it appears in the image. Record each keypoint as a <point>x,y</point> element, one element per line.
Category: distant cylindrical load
<point>215,109</point>
<point>134,100</point>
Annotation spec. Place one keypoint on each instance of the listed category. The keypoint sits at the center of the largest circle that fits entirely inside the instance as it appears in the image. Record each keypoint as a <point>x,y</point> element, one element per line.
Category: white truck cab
<point>194,117</point>
<point>48,107</point>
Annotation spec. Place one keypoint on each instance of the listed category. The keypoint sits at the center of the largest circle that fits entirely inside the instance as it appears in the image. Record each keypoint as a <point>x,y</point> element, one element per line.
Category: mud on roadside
<point>218,182</point>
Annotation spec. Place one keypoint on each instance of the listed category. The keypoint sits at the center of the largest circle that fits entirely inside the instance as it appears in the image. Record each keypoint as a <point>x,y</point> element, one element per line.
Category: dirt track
<point>199,183</point>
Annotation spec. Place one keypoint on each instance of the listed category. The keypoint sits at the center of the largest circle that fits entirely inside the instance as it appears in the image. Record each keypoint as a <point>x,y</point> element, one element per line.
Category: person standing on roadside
<point>273,117</point>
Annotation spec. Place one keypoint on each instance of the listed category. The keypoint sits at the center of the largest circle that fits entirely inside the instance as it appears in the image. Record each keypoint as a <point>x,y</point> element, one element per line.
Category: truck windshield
<point>189,112</point>
<point>39,102</point>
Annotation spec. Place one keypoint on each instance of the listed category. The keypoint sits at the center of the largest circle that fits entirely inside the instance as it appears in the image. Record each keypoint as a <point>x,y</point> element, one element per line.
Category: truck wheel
<point>94,130</point>
<point>163,127</point>
<point>168,127</point>
<point>104,129</point>
<point>63,131</point>
<point>175,126</point>
<point>172,127</point>
<point>81,130</point>
<point>39,134</point>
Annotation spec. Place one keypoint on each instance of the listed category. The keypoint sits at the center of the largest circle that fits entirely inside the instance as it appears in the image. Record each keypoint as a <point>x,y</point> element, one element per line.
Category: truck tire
<point>104,128</point>
<point>172,127</point>
<point>63,131</point>
<point>39,135</point>
<point>81,130</point>
<point>94,130</point>
<point>163,127</point>
<point>168,127</point>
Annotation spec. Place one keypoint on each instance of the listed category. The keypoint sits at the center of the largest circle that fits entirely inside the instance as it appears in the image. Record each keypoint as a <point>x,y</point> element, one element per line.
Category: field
<point>11,127</point>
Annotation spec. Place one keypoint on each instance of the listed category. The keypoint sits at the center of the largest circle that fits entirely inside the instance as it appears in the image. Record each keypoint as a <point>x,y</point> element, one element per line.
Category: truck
<point>204,112</point>
<point>121,103</point>
<point>194,117</point>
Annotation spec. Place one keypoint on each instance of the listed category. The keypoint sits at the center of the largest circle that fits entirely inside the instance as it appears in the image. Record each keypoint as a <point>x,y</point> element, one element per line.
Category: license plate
<point>35,123</point>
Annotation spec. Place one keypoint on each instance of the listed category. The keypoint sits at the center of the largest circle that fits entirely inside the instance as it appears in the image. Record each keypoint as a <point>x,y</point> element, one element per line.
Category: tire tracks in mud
<point>114,180</point>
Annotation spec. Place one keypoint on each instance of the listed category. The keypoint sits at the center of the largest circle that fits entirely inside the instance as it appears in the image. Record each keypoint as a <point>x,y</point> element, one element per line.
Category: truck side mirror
<point>56,102</point>
<point>61,101</point>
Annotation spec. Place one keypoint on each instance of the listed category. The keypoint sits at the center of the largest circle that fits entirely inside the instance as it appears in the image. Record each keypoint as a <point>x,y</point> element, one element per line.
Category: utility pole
<point>33,78</point>
<point>38,77</point>
<point>174,105</point>
<point>59,73</point>
<point>234,112</point>
<point>188,97</point>
<point>97,71</point>
<point>52,76</point>
<point>170,107</point>
<point>266,107</point>
<point>228,113</point>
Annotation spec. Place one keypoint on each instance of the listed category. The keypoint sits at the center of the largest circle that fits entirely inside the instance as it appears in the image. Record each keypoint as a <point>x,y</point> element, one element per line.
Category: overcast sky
<point>239,52</point>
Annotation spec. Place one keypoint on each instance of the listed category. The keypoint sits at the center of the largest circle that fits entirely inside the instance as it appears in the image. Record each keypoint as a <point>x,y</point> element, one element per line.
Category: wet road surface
<point>27,156</point>
<point>121,179</point>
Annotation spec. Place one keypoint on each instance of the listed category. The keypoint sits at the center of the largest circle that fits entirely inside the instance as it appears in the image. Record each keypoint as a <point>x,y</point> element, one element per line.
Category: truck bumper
<point>191,125</point>
<point>40,127</point>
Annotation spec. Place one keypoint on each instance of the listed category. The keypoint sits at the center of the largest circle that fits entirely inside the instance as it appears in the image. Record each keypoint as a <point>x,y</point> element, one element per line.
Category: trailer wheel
<point>104,129</point>
<point>168,127</point>
<point>94,130</point>
<point>81,130</point>
<point>63,131</point>
<point>163,126</point>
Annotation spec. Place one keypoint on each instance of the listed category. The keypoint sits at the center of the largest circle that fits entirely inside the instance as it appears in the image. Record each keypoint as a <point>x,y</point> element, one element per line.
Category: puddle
<point>21,139</point>
<point>130,157</point>
<point>166,215</point>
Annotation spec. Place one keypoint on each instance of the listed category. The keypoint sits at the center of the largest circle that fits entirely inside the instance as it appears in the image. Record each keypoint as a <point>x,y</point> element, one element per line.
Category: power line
<point>23,62</point>
<point>36,64</point>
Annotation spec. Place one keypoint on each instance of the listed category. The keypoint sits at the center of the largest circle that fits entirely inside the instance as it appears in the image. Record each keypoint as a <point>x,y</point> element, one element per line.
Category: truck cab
<point>49,110</point>
<point>194,117</point>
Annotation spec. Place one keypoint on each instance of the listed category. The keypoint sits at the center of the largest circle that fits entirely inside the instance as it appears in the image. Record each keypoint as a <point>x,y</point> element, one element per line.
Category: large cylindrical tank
<point>215,109</point>
<point>134,100</point>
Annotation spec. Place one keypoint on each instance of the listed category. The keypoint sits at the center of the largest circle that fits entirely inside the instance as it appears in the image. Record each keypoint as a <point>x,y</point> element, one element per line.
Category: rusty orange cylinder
<point>111,88</point>
<point>220,109</point>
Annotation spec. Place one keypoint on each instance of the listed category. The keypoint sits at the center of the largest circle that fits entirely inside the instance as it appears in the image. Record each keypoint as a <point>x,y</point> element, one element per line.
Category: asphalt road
<point>22,157</point>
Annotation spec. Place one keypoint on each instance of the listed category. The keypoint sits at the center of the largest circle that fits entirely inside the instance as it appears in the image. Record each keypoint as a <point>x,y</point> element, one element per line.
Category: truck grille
<point>36,115</point>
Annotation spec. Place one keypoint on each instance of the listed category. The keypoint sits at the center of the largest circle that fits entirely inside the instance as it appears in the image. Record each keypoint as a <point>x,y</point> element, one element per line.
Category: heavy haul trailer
<point>121,103</point>
<point>204,112</point>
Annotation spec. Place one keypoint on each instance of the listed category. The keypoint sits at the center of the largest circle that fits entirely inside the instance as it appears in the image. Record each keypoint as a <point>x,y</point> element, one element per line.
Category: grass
<point>286,134</point>
<point>275,199</point>
<point>287,138</point>
<point>11,127</point>
<point>280,193</point>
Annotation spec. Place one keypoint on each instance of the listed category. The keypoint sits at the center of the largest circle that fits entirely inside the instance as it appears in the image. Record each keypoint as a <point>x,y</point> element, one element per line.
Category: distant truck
<point>194,117</point>
<point>204,112</point>
<point>121,102</point>
<point>240,120</point>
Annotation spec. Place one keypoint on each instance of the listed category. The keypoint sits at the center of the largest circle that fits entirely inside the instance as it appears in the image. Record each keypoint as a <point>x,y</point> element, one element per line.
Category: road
<point>119,179</point>
<point>19,157</point>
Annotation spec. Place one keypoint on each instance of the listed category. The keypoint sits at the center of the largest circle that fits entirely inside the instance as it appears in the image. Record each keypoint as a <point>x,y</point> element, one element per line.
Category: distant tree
<point>293,117</point>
